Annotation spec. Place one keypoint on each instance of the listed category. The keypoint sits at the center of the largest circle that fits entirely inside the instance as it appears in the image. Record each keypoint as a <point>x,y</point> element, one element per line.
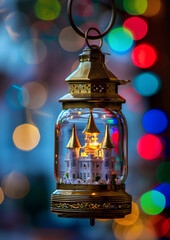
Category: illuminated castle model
<point>92,162</point>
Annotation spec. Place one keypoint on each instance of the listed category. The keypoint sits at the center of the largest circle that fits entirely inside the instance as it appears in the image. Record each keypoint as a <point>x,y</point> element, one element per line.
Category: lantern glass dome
<point>90,147</point>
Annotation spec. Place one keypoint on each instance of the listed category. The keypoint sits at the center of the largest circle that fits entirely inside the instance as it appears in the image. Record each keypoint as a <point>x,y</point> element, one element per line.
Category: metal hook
<point>86,38</point>
<point>82,34</point>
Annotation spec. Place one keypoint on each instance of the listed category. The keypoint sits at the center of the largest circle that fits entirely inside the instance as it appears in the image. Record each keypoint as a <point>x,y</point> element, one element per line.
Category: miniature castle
<point>93,161</point>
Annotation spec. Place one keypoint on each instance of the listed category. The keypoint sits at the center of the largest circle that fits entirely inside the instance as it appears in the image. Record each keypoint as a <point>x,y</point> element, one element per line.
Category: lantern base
<point>91,201</point>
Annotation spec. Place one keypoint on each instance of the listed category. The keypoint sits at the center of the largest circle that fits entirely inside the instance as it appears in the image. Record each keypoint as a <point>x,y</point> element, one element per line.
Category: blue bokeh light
<point>120,40</point>
<point>147,84</point>
<point>155,121</point>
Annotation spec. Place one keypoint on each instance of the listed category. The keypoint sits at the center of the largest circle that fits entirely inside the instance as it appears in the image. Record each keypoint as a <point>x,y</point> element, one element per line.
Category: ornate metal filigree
<point>91,206</point>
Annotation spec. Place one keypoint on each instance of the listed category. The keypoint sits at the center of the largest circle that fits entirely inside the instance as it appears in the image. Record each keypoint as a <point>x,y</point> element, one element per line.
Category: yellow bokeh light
<point>1,195</point>
<point>131,232</point>
<point>26,137</point>
<point>70,40</point>
<point>135,7</point>
<point>153,8</point>
<point>130,218</point>
<point>79,113</point>
<point>34,95</point>
<point>15,185</point>
<point>47,9</point>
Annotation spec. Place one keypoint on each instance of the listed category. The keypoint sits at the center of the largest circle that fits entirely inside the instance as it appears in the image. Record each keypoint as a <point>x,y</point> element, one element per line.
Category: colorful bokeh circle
<point>147,83</point>
<point>153,202</point>
<point>137,26</point>
<point>155,121</point>
<point>144,56</point>
<point>149,147</point>
<point>135,7</point>
<point>120,40</point>
<point>47,9</point>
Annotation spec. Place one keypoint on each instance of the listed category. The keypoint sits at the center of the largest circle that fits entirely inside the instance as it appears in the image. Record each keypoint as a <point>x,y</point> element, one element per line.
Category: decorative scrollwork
<point>91,206</point>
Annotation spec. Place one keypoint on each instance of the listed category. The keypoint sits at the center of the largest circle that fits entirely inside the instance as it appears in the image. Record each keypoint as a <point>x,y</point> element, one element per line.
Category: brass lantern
<point>91,161</point>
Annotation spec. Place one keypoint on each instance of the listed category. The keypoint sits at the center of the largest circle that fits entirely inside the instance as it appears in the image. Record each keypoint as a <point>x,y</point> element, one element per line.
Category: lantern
<point>91,161</point>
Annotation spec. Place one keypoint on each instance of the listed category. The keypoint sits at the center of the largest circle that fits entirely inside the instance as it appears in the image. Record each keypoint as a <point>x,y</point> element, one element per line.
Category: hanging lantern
<point>91,140</point>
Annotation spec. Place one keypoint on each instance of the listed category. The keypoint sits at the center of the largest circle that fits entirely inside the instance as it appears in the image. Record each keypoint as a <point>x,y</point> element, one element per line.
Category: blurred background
<point>38,50</point>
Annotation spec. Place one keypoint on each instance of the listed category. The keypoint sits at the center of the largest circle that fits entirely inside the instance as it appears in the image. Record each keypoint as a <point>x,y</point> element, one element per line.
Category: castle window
<point>85,166</point>
<point>88,165</point>
<point>88,174</point>
<point>106,163</point>
<point>81,174</point>
<point>93,175</point>
<point>97,174</point>
<point>74,163</point>
<point>97,165</point>
<point>73,176</point>
<point>81,164</point>
<point>106,177</point>
<point>67,164</point>
<point>84,175</point>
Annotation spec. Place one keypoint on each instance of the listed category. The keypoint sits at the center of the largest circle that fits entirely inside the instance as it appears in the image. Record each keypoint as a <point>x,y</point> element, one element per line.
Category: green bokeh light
<point>120,40</point>
<point>135,7</point>
<point>163,172</point>
<point>153,202</point>
<point>47,9</point>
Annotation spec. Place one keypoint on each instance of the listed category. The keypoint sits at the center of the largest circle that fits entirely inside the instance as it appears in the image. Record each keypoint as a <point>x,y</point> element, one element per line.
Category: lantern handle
<point>82,34</point>
<point>87,36</point>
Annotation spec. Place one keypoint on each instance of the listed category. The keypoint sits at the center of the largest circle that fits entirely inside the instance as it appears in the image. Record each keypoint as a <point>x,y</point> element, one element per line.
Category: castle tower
<point>72,165</point>
<point>91,132</point>
<point>108,164</point>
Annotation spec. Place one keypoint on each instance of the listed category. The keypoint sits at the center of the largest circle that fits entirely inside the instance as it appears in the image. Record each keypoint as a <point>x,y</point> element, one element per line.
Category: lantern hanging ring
<point>87,36</point>
<point>82,34</point>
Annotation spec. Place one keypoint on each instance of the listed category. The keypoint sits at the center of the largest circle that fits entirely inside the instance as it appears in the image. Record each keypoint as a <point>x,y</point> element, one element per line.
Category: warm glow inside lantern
<point>91,144</point>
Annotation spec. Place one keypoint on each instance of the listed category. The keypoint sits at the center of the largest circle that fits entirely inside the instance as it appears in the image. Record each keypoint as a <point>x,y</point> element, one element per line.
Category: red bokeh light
<point>144,56</point>
<point>149,147</point>
<point>137,26</point>
<point>159,224</point>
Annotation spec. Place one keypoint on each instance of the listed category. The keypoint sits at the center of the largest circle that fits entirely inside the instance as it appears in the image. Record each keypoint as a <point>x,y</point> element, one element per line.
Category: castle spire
<point>107,142</point>
<point>91,126</point>
<point>73,142</point>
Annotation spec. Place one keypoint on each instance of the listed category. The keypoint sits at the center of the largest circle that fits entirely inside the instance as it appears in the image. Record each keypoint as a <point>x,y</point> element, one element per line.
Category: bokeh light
<point>161,225</point>
<point>163,172</point>
<point>130,218</point>
<point>70,40</point>
<point>153,202</point>
<point>33,51</point>
<point>34,95</point>
<point>45,30</point>
<point>135,7</point>
<point>147,83</point>
<point>84,8</point>
<point>15,185</point>
<point>26,137</point>
<point>137,26</point>
<point>155,121</point>
<point>15,22</point>
<point>120,40</point>
<point>131,232</point>
<point>1,195</point>
<point>153,8</point>
<point>164,188</point>
<point>149,147</point>
<point>144,56</point>
<point>47,9</point>
<point>13,95</point>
